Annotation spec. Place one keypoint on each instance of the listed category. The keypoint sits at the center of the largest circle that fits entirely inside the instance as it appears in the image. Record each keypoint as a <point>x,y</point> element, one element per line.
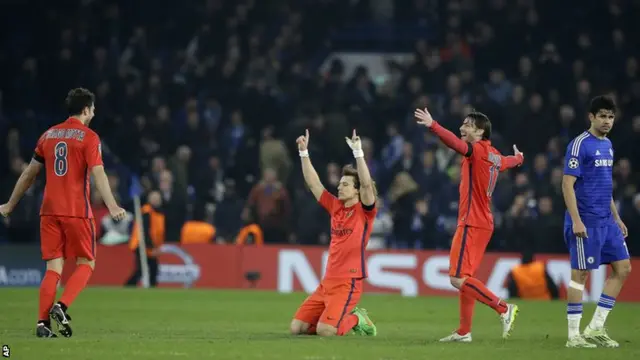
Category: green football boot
<point>365,326</point>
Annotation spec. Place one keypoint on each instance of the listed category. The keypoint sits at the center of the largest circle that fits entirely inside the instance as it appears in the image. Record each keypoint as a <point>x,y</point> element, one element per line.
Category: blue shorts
<point>604,245</point>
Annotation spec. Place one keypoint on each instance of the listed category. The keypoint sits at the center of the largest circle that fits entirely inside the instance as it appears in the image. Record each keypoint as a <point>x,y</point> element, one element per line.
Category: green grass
<point>195,324</point>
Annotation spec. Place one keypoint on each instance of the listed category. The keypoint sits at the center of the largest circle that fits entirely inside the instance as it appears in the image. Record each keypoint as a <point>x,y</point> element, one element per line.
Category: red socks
<point>347,323</point>
<point>475,289</point>
<point>77,282</point>
<point>467,304</point>
<point>48,288</point>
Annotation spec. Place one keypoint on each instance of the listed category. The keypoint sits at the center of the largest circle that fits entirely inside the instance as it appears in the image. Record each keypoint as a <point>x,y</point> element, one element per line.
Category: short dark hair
<point>481,121</point>
<point>349,170</point>
<point>78,99</point>
<point>602,102</point>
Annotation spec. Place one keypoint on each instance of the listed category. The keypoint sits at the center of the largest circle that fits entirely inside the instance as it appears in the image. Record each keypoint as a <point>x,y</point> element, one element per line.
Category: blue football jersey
<point>590,160</point>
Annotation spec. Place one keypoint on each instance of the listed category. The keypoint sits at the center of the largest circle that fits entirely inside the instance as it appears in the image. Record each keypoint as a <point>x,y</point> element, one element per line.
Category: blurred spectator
<point>228,213</point>
<point>402,196</point>
<point>153,228</point>
<point>199,109</point>
<point>274,155</point>
<point>382,227</point>
<point>269,205</point>
<point>531,281</point>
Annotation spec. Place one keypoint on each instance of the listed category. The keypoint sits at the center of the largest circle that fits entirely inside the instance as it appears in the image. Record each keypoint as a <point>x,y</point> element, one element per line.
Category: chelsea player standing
<point>593,230</point>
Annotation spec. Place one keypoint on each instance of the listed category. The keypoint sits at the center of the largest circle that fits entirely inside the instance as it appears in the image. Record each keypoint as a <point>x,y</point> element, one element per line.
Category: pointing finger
<point>306,134</point>
<point>354,133</point>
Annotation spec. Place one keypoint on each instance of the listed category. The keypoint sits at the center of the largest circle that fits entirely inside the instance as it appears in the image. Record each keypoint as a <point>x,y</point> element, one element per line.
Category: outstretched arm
<point>367,190</point>
<point>23,184</point>
<point>448,138</point>
<point>511,161</point>
<point>311,177</point>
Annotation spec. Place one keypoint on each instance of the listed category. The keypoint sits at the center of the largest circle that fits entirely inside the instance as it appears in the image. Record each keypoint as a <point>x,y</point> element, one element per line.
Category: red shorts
<point>67,237</point>
<point>467,249</point>
<point>330,302</point>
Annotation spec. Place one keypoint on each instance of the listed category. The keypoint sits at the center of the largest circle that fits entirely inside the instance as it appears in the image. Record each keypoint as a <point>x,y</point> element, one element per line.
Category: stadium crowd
<point>203,101</point>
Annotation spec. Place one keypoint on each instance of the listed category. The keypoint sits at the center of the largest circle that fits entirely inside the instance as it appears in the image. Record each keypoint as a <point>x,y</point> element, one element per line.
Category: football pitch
<point>205,324</point>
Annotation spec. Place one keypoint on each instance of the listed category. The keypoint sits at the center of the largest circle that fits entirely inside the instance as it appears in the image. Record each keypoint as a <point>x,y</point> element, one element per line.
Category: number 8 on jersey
<point>61,163</point>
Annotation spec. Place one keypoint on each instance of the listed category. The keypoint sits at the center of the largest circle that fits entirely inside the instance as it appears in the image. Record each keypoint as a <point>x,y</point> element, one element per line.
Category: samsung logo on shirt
<point>604,162</point>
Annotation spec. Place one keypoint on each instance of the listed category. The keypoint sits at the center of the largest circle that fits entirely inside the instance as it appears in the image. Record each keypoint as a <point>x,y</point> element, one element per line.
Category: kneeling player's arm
<point>569,195</point>
<point>367,187</point>
<point>102,184</point>
<point>25,181</point>
<point>451,140</point>
<point>311,178</point>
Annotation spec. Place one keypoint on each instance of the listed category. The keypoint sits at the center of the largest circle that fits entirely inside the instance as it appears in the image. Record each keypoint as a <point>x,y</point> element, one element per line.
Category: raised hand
<point>424,117</point>
<point>5,210</point>
<point>354,142</point>
<point>303,141</point>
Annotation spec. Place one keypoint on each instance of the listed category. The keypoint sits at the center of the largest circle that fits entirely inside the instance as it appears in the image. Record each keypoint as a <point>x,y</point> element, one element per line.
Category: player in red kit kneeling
<point>331,309</point>
<point>479,173</point>
<point>69,152</point>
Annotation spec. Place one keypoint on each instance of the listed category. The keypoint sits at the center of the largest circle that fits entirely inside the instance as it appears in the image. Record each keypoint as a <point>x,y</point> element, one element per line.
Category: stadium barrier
<point>294,268</point>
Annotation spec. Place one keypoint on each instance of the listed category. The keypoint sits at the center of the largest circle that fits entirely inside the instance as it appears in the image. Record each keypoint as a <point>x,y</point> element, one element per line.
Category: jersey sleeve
<point>573,158</point>
<point>511,161</point>
<point>370,211</point>
<point>451,140</point>
<point>328,201</point>
<point>93,152</point>
<point>38,153</point>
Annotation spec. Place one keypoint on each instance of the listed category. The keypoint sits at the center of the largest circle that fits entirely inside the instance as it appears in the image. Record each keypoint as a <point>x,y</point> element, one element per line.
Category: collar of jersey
<point>75,121</point>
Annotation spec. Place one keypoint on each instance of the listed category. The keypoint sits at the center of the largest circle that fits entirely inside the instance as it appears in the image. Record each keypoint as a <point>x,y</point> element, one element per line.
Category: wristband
<point>303,153</point>
<point>358,153</point>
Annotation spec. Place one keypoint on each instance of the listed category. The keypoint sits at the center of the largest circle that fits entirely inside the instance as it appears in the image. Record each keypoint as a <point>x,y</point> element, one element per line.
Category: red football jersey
<point>69,151</point>
<point>350,231</point>
<point>478,178</point>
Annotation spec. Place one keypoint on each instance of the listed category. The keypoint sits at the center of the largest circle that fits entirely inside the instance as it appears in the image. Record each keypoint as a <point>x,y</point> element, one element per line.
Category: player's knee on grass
<point>85,261</point>
<point>299,327</point>
<point>621,269</point>
<point>326,330</point>
<point>56,265</point>
<point>457,282</point>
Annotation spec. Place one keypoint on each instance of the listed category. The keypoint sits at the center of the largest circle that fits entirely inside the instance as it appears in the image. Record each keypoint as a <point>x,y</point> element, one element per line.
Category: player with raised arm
<point>593,230</point>
<point>331,309</point>
<point>479,173</point>
<point>69,152</point>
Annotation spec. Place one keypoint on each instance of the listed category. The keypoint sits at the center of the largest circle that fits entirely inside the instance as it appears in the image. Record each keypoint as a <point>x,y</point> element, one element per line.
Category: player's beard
<point>603,131</point>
